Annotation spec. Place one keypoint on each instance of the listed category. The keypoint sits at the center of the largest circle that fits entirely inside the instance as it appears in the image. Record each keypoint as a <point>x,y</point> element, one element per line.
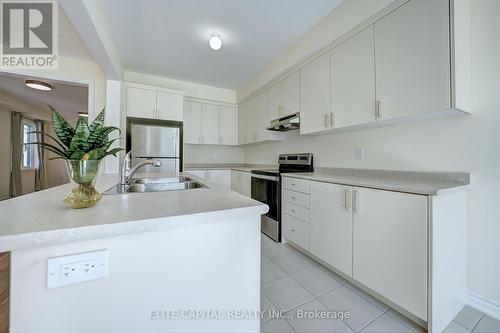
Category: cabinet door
<point>276,101</point>
<point>315,95</point>
<point>331,225</point>
<point>246,184</point>
<point>291,94</point>
<point>390,246</point>
<point>243,123</point>
<point>412,55</point>
<point>220,177</point>
<point>210,124</point>
<point>141,103</point>
<point>353,80</point>
<point>203,174</point>
<point>227,125</point>
<point>236,181</point>
<point>262,116</point>
<point>192,122</point>
<point>169,106</point>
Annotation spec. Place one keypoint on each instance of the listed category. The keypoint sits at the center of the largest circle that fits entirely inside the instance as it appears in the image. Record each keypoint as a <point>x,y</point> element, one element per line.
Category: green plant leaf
<point>79,140</point>
<point>50,136</point>
<point>102,135</point>
<point>77,155</point>
<point>98,122</point>
<point>63,129</point>
<point>114,151</point>
<point>51,148</point>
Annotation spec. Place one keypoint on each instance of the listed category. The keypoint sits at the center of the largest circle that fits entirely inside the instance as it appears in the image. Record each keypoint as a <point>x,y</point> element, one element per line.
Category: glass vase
<point>83,174</point>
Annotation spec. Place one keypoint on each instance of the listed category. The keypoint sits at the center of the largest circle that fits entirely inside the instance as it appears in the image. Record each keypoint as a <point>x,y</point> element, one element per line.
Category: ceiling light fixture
<point>215,42</point>
<point>83,114</point>
<point>38,85</point>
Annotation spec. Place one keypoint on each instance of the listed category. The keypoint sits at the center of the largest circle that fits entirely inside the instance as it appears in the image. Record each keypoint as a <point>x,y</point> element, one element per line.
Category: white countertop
<point>41,218</point>
<point>231,166</point>
<point>425,183</point>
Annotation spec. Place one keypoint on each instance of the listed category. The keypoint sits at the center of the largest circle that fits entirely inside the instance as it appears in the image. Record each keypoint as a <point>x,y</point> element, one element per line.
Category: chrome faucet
<point>127,171</point>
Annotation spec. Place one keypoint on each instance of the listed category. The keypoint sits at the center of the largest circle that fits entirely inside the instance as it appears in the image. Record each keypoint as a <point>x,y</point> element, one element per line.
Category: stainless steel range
<point>266,188</point>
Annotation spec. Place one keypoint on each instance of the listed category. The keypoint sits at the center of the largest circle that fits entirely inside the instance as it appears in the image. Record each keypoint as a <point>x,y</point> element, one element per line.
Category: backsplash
<point>212,154</point>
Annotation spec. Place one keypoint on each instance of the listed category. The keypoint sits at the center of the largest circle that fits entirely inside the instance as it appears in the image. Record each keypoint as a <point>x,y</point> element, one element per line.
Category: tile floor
<point>295,283</point>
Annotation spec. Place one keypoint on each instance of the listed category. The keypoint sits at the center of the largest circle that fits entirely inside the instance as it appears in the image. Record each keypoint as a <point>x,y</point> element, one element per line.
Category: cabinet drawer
<point>296,231</point>
<point>297,198</point>
<point>295,184</point>
<point>296,211</point>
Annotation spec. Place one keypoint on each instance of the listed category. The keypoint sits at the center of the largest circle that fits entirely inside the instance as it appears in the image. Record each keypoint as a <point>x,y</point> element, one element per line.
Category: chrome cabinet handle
<point>327,119</point>
<point>293,198</point>
<point>293,210</point>
<point>346,199</point>
<point>378,113</point>
<point>292,230</point>
<point>355,201</point>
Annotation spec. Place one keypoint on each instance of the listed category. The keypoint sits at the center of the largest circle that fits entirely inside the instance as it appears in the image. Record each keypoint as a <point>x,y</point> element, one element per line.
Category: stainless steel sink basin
<point>144,185</point>
<point>178,179</point>
<point>160,187</point>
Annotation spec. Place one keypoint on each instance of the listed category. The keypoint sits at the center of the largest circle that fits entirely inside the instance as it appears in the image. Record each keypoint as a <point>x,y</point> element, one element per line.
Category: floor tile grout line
<point>380,315</point>
<point>465,328</point>
<point>472,330</point>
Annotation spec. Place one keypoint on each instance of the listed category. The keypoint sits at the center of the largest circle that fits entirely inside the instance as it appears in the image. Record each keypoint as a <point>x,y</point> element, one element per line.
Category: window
<point>30,154</point>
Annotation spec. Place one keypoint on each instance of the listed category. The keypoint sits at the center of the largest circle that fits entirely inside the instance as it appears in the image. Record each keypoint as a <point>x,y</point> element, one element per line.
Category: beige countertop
<point>425,183</point>
<point>41,218</point>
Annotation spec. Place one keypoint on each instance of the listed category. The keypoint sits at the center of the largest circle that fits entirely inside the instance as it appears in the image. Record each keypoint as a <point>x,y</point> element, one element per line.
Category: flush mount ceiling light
<point>38,85</point>
<point>215,42</point>
<point>83,114</point>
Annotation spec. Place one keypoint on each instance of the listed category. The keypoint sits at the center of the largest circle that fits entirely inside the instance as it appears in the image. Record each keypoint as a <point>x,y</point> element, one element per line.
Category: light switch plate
<point>359,153</point>
<point>76,268</point>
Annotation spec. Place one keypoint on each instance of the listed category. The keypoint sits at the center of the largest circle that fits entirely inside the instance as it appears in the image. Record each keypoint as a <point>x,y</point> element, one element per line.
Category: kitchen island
<point>176,261</point>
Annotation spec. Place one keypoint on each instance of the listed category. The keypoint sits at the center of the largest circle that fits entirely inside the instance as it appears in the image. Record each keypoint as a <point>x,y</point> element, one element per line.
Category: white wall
<point>212,154</point>
<point>342,19</point>
<point>190,89</point>
<point>467,143</point>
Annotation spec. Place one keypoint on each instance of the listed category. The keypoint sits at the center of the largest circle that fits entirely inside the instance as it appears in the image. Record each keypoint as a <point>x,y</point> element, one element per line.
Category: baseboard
<point>488,306</point>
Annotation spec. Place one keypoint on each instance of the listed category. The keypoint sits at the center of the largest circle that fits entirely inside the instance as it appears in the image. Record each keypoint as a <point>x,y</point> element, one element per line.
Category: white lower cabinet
<point>331,225</point>
<point>296,231</point>
<point>219,177</point>
<point>390,246</point>
<point>241,182</point>
<point>376,237</point>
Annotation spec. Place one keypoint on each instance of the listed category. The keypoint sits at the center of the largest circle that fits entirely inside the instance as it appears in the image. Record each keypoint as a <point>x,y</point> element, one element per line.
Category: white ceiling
<point>170,37</point>
<point>67,98</point>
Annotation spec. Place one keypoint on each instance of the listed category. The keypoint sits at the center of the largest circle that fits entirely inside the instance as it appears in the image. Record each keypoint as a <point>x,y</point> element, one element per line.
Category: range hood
<point>286,123</point>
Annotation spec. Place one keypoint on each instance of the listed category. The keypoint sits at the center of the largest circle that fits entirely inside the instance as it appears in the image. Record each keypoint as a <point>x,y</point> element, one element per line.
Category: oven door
<point>266,189</point>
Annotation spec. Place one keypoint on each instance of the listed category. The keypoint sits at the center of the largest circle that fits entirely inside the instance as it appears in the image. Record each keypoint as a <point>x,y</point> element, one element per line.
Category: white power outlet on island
<point>76,268</point>
<point>359,153</point>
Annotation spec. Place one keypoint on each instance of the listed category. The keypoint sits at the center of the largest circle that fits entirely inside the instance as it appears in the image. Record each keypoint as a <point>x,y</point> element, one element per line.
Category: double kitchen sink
<point>144,185</point>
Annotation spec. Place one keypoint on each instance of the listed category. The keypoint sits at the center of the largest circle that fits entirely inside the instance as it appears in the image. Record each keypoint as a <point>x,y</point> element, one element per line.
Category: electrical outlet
<point>76,268</point>
<point>359,153</point>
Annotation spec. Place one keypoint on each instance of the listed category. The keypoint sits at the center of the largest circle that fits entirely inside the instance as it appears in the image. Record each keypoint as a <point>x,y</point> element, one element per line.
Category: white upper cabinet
<point>154,103</point>
<point>192,122</point>
<point>210,124</point>
<point>243,123</point>
<point>227,125</point>
<point>331,225</point>
<point>390,246</point>
<point>169,106</point>
<point>141,103</point>
<point>262,117</point>
<point>353,80</point>
<point>276,101</point>
<point>291,93</point>
<point>284,97</point>
<point>315,92</point>
<point>412,52</point>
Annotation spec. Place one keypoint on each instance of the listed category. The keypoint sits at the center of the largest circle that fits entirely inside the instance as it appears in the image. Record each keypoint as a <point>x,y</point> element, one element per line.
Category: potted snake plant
<point>82,148</point>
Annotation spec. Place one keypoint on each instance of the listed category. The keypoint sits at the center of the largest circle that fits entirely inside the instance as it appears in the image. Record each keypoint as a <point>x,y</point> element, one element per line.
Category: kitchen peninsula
<point>166,252</point>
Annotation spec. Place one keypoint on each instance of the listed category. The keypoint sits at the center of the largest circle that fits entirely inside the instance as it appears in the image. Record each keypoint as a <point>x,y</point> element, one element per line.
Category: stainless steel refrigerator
<point>161,140</point>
